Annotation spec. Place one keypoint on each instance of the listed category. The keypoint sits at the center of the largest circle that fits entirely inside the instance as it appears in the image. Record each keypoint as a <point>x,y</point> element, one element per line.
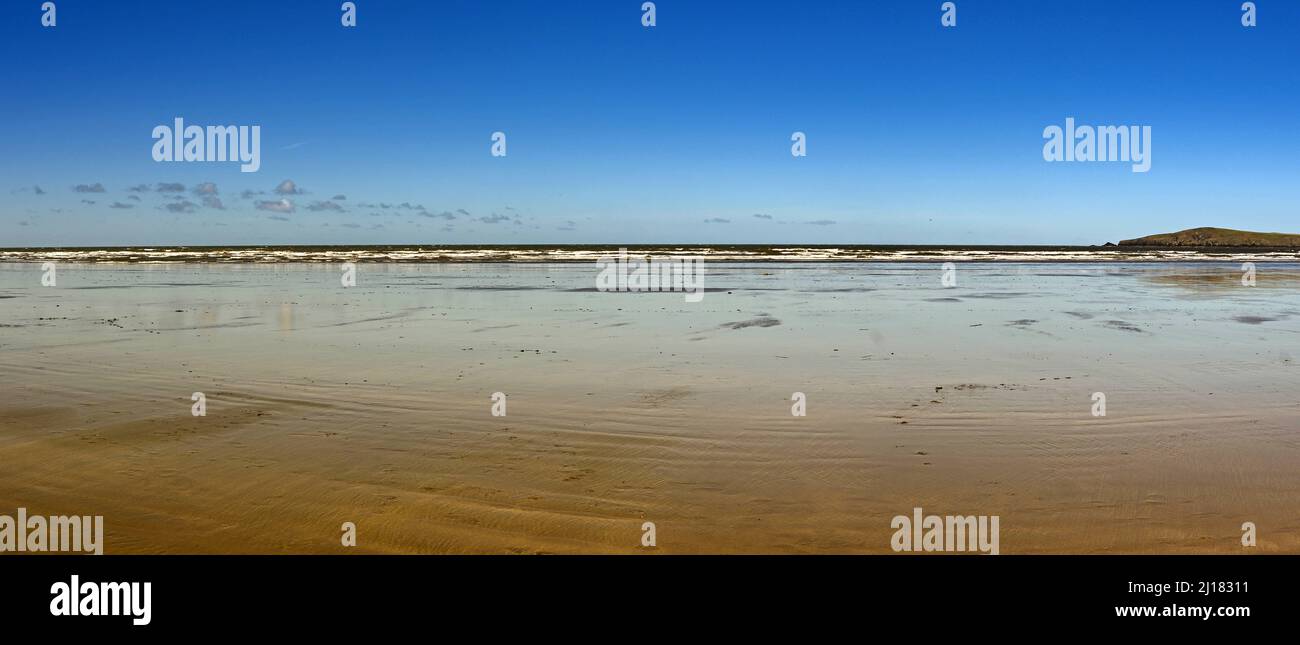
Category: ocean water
<point>589,253</point>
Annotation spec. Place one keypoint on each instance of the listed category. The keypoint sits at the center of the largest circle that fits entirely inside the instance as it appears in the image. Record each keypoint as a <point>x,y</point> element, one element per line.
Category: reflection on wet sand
<point>1223,277</point>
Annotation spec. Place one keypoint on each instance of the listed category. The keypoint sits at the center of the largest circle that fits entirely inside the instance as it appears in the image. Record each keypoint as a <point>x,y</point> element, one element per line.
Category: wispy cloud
<point>182,206</point>
<point>276,206</point>
<point>89,188</point>
<point>325,206</point>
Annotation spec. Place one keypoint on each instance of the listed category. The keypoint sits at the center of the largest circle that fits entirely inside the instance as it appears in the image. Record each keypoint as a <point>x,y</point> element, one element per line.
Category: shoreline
<point>373,405</point>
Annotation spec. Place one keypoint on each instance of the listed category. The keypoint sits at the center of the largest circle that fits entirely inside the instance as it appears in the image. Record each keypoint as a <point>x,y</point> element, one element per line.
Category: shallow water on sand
<point>371,404</point>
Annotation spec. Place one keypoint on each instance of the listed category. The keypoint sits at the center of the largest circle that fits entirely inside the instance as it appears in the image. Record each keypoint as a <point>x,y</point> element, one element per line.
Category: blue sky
<point>621,133</point>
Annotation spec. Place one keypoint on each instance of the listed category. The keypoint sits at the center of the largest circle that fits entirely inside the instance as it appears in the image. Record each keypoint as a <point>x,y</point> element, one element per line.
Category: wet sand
<point>371,404</point>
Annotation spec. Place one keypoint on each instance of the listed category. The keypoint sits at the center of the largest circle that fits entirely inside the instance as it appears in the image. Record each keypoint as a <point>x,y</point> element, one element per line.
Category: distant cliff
<point>1209,236</point>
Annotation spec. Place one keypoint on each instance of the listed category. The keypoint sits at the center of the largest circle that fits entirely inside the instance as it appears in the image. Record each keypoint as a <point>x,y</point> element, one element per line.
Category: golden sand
<point>372,405</point>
